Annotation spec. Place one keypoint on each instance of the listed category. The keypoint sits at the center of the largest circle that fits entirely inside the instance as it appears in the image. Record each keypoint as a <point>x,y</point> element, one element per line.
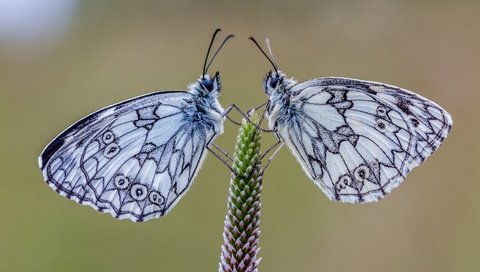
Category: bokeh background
<point>62,59</point>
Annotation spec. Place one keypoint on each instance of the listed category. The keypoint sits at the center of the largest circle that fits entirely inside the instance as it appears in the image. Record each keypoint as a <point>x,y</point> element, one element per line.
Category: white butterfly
<point>137,158</point>
<point>355,139</point>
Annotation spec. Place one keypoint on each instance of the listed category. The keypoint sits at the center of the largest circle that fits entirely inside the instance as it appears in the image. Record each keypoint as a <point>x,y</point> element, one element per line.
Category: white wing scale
<point>134,160</point>
<point>357,140</point>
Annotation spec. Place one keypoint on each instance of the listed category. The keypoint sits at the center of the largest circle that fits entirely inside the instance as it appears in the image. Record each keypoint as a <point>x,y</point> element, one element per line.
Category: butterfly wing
<point>357,140</point>
<point>134,160</point>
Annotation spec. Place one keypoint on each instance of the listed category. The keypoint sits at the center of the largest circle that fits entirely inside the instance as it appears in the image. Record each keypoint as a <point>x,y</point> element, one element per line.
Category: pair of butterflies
<point>355,139</point>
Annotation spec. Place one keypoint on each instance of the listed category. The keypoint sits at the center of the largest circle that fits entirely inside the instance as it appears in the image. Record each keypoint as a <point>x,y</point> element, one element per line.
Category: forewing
<point>133,160</point>
<point>357,139</point>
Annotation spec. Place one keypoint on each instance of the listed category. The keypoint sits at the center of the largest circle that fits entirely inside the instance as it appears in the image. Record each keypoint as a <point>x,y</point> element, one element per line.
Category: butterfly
<point>357,140</point>
<point>137,158</point>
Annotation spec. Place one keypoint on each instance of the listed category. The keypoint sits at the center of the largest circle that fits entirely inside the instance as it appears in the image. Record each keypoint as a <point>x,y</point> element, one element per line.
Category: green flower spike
<point>242,223</point>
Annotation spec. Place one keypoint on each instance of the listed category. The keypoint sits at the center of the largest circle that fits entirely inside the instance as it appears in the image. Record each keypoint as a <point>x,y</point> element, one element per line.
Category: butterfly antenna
<point>271,53</point>
<point>274,64</point>
<point>208,51</point>
<point>218,50</point>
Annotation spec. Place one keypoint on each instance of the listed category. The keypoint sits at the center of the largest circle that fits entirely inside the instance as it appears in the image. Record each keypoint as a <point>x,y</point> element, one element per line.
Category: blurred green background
<point>60,60</point>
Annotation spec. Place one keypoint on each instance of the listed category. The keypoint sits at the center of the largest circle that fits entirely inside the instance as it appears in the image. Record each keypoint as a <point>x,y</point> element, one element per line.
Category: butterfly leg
<point>234,173</point>
<point>233,121</point>
<point>223,151</point>
<point>261,105</point>
<point>273,146</point>
<point>266,104</point>
<point>278,145</point>
<point>223,161</point>
<point>235,107</point>
<point>220,157</point>
<point>244,115</point>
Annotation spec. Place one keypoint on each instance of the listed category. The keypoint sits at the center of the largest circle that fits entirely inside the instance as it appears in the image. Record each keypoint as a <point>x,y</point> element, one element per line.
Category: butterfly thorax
<point>204,109</point>
<point>281,108</point>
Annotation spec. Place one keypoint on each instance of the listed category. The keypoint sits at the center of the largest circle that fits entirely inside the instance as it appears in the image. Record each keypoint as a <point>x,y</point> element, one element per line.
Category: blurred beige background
<point>61,60</point>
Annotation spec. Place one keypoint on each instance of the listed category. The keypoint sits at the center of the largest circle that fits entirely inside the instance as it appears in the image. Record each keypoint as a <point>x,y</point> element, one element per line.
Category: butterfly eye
<point>273,82</point>
<point>208,84</point>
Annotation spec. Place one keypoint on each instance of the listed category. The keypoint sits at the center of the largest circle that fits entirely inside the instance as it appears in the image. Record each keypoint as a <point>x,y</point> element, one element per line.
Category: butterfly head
<point>207,85</point>
<point>276,82</point>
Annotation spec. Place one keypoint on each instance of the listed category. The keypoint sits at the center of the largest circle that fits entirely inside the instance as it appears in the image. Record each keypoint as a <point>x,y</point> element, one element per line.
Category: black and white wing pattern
<point>357,140</point>
<point>135,159</point>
